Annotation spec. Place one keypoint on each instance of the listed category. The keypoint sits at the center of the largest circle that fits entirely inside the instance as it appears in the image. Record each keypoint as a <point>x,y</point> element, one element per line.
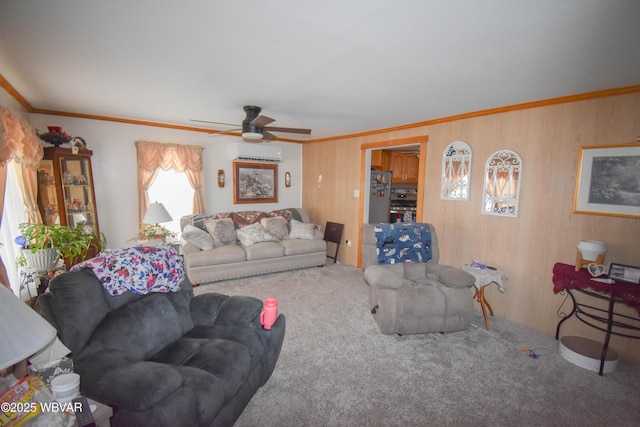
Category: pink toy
<point>269,313</point>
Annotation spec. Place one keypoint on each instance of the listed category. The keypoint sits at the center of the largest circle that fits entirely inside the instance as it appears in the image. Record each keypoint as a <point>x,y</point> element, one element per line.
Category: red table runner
<point>565,276</point>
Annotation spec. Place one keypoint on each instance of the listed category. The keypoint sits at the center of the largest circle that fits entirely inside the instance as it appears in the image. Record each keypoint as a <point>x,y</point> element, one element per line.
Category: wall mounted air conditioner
<point>258,152</point>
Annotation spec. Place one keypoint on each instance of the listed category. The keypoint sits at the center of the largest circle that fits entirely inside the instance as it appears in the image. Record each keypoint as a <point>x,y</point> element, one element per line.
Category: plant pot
<point>591,249</point>
<point>42,259</point>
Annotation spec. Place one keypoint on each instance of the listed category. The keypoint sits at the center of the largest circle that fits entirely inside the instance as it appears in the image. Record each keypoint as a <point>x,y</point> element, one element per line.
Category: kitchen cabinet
<point>405,167</point>
<point>65,188</point>
<point>381,160</point>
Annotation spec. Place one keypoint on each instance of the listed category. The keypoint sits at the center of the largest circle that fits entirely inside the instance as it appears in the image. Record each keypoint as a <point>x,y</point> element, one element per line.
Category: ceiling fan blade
<point>215,123</point>
<point>289,130</point>
<point>224,132</point>
<point>262,121</point>
<point>266,135</point>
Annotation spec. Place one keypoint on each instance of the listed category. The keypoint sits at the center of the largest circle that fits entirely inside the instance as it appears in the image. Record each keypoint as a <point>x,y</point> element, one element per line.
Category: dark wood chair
<point>333,234</point>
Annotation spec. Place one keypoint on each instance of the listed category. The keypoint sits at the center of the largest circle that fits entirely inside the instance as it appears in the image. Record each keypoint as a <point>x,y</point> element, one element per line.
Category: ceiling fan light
<point>252,135</point>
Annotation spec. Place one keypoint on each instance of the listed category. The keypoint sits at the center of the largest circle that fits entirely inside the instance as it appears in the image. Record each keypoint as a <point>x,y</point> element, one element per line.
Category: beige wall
<point>546,231</point>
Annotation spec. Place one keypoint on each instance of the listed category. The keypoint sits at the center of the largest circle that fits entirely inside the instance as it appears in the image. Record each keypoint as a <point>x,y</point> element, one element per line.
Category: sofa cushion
<point>134,328</point>
<point>276,226</point>
<point>264,250</point>
<point>301,230</point>
<point>222,230</point>
<point>254,233</point>
<point>226,254</point>
<point>303,246</point>
<point>198,237</point>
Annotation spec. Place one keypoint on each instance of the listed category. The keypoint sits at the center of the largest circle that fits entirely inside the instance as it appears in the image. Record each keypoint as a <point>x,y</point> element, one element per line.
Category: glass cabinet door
<point>65,188</point>
<point>47,193</point>
<point>77,190</point>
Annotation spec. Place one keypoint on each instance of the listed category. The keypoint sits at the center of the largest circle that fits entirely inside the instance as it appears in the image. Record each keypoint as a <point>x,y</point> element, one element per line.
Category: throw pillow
<point>244,218</point>
<point>301,230</point>
<point>222,230</point>
<point>254,233</point>
<point>276,226</point>
<point>197,237</point>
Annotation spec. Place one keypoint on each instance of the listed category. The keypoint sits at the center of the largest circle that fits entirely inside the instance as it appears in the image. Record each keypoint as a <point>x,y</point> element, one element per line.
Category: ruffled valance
<point>154,155</point>
<point>18,140</point>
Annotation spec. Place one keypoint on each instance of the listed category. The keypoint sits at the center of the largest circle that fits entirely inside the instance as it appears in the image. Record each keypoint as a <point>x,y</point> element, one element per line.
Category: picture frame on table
<point>255,182</point>
<point>608,181</point>
<point>626,273</point>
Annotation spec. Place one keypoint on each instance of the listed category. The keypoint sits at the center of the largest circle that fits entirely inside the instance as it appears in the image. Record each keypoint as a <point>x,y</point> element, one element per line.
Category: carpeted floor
<point>337,369</point>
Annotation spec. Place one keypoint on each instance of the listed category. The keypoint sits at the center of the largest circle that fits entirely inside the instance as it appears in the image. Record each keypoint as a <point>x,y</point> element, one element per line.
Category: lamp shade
<point>23,332</point>
<point>156,213</point>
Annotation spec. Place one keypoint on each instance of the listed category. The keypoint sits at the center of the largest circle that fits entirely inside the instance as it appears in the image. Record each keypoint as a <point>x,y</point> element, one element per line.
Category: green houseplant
<point>48,242</point>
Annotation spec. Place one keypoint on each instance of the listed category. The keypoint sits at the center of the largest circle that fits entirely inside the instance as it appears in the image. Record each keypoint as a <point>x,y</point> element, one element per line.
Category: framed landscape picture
<point>255,182</point>
<point>608,180</point>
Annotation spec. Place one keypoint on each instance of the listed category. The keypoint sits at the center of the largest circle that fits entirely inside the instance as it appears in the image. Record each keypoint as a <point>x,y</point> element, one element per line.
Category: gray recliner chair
<point>163,359</point>
<point>416,298</point>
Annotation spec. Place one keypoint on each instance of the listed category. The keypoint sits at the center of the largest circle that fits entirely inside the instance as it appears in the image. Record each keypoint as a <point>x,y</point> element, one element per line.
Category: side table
<point>485,277</point>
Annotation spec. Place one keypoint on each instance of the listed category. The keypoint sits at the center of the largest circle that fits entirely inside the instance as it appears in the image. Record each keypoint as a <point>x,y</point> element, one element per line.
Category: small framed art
<point>623,272</point>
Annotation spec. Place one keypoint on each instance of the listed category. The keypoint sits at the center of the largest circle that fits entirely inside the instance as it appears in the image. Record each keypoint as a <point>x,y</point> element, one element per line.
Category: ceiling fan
<point>254,126</point>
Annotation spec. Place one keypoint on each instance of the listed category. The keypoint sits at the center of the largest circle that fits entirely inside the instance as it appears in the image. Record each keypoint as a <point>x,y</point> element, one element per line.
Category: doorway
<point>415,145</point>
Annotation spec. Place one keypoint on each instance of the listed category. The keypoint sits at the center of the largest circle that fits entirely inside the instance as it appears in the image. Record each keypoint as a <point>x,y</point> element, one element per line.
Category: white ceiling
<point>338,66</point>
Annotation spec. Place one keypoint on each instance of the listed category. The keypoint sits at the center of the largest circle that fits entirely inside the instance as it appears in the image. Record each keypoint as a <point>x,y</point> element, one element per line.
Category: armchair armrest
<point>451,276</point>
<point>240,311</point>
<point>386,276</point>
<point>209,309</point>
<point>115,378</point>
<point>205,308</point>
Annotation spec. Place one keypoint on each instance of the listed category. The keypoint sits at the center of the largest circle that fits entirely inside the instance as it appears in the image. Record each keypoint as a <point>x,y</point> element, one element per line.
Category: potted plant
<point>153,234</point>
<point>42,245</point>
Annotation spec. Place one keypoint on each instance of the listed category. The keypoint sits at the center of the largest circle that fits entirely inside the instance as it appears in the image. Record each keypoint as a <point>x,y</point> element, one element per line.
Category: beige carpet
<point>336,369</point>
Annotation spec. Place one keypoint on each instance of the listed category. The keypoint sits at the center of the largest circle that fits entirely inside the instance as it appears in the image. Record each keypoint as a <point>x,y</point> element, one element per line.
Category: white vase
<point>42,259</point>
<point>591,249</point>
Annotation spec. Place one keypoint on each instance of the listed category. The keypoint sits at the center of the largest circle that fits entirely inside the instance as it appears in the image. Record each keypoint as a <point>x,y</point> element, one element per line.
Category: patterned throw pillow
<point>254,233</point>
<point>244,218</point>
<point>197,237</point>
<point>301,230</point>
<point>222,230</point>
<point>276,226</point>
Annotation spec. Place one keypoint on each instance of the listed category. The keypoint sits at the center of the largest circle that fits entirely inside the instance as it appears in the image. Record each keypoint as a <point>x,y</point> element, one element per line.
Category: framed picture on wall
<point>608,180</point>
<point>255,182</point>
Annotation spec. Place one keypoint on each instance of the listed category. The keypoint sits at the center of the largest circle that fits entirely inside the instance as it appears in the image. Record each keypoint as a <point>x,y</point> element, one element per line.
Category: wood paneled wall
<point>547,138</point>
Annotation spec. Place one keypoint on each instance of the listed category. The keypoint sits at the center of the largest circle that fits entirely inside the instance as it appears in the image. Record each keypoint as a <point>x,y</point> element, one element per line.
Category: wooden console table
<point>566,279</point>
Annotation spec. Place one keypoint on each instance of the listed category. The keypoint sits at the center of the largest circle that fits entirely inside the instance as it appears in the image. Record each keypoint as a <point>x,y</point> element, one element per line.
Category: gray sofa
<point>230,259</point>
<point>416,298</point>
<point>163,359</point>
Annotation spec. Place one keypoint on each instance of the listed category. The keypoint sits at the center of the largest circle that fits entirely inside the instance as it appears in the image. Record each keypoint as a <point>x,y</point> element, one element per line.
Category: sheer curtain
<point>20,144</point>
<point>153,156</point>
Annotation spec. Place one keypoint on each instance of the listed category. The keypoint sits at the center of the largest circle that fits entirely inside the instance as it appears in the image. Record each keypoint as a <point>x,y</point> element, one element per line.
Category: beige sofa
<point>239,254</point>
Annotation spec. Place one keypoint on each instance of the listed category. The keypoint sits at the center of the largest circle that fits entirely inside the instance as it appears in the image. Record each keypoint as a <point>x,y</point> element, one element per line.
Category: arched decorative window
<point>502,175</point>
<point>456,171</point>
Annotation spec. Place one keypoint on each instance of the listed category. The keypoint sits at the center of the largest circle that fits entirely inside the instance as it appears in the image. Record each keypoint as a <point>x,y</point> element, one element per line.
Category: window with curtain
<point>172,189</point>
<point>154,157</point>
<point>20,152</point>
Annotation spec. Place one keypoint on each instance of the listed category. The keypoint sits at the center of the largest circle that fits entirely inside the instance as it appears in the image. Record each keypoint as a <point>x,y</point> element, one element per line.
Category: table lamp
<point>156,213</point>
<point>23,332</point>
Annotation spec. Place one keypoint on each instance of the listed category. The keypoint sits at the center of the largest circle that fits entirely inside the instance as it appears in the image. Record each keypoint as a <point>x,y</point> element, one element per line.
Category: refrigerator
<point>380,197</point>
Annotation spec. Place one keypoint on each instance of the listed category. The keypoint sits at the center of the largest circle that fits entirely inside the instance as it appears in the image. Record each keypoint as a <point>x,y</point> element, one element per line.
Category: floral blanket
<point>137,269</point>
<point>403,242</point>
